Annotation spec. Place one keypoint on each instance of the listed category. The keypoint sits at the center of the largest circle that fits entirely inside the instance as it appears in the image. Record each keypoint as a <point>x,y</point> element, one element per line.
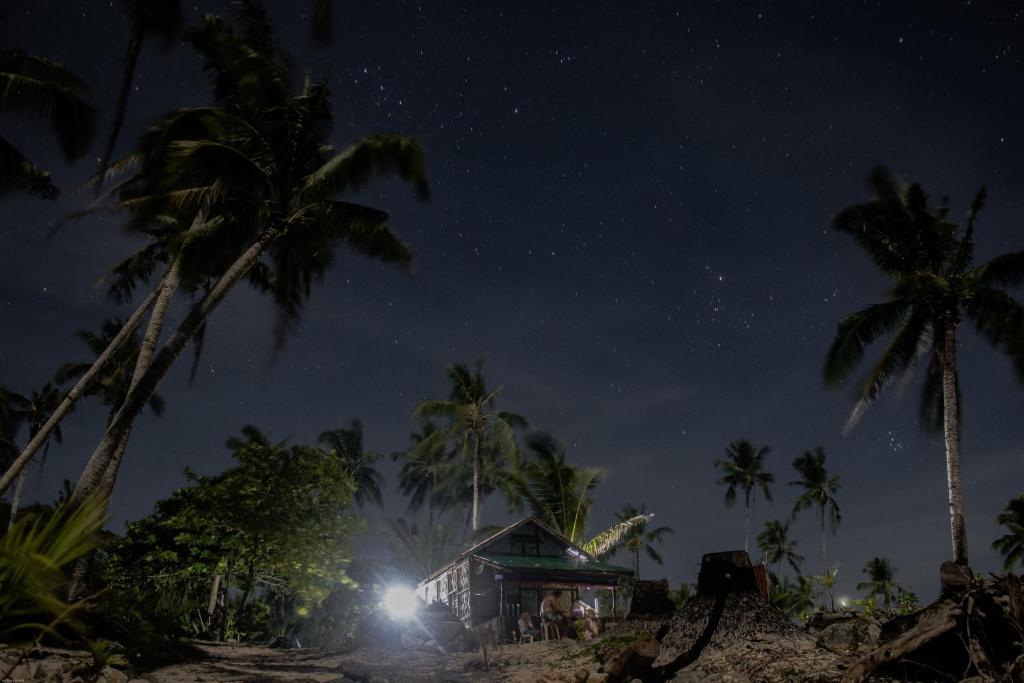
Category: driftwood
<point>975,629</point>
<point>934,621</point>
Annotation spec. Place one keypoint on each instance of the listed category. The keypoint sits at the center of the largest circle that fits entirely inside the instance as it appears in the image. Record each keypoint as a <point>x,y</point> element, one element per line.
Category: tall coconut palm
<point>778,547</point>
<point>819,490</point>
<point>481,432</point>
<point>425,467</point>
<point>935,285</point>
<point>347,444</point>
<point>258,159</point>
<point>881,582</point>
<point>1011,544</point>
<point>641,538</point>
<point>46,90</point>
<point>743,470</point>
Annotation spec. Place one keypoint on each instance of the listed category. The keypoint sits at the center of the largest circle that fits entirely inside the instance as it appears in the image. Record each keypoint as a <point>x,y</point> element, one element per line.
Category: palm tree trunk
<point>746,523</point>
<point>92,475</point>
<point>430,525</point>
<point>83,385</point>
<point>824,556</point>
<point>951,422</point>
<point>476,482</point>
<point>636,563</point>
<point>16,501</point>
<point>168,288</point>
<point>131,60</point>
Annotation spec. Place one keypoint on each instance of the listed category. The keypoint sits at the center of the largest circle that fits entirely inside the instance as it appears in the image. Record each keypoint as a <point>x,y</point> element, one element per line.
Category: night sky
<point>629,221</point>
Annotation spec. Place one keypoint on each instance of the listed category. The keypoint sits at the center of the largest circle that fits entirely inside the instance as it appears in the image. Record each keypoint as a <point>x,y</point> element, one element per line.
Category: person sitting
<point>526,627</point>
<point>552,614</point>
<point>591,626</point>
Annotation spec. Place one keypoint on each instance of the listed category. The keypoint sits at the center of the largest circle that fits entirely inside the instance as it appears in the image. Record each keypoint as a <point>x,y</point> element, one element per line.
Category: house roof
<point>541,563</point>
<point>507,530</point>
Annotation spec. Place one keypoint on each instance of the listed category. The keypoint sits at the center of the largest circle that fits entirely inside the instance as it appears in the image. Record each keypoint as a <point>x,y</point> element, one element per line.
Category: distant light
<point>400,602</point>
<point>843,602</point>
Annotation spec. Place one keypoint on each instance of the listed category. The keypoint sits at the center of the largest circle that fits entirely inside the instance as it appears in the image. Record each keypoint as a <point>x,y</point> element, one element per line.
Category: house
<point>513,570</point>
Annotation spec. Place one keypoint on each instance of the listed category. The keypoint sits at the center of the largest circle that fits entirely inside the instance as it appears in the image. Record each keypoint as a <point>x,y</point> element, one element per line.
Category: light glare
<point>400,602</point>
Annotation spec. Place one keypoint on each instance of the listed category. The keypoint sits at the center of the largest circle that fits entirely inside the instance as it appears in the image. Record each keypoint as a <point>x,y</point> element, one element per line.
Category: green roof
<point>547,563</point>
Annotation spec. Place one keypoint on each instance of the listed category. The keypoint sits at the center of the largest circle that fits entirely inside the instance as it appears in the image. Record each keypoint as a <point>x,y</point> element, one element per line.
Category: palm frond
<point>43,88</point>
<point>857,331</point>
<point>18,174</point>
<point>374,155</point>
<point>611,539</point>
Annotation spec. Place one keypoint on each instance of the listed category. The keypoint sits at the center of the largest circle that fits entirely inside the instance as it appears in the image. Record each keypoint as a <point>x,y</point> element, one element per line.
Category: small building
<point>512,570</point>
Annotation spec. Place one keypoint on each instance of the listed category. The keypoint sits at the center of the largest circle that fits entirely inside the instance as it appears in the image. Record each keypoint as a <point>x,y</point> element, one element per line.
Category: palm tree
<point>819,489</point>
<point>743,469</point>
<point>259,163</point>
<point>46,90</point>
<point>561,495</point>
<point>347,444</point>
<point>775,543</point>
<point>935,284</point>
<point>33,410</point>
<point>112,386</point>
<point>426,465</point>
<point>1011,545</point>
<point>482,433</point>
<point>880,581</point>
<point>162,20</point>
<point>641,538</point>
<point>558,493</point>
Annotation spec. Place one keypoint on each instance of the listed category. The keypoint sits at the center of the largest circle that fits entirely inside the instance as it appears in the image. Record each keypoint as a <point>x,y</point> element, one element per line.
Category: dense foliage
<point>264,543</point>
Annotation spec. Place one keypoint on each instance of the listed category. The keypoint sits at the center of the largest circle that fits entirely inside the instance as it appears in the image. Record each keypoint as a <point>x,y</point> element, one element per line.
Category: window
<point>525,543</point>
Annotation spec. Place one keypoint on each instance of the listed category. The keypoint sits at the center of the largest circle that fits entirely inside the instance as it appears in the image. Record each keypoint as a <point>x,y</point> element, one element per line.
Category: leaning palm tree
<point>1011,544</point>
<point>259,162</point>
<point>640,538</point>
<point>743,470</point>
<point>880,583</point>
<point>819,490</point>
<point>481,432</point>
<point>112,386</point>
<point>46,90</point>
<point>347,445</point>
<point>778,547</point>
<point>934,287</point>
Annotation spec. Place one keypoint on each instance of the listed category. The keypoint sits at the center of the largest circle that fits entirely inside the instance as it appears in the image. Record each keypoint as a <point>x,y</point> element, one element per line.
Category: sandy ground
<point>552,661</point>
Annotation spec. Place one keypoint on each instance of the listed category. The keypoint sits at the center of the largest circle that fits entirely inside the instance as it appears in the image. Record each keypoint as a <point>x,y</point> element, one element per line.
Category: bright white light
<point>400,602</point>
<point>843,602</point>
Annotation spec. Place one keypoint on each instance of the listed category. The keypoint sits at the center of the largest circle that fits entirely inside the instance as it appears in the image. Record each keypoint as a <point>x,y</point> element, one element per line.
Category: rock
<point>112,675</point>
<point>843,637</point>
<point>597,678</point>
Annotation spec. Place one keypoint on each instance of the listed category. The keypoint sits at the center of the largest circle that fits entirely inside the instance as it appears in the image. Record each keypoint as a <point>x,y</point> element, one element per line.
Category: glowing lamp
<point>400,602</point>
